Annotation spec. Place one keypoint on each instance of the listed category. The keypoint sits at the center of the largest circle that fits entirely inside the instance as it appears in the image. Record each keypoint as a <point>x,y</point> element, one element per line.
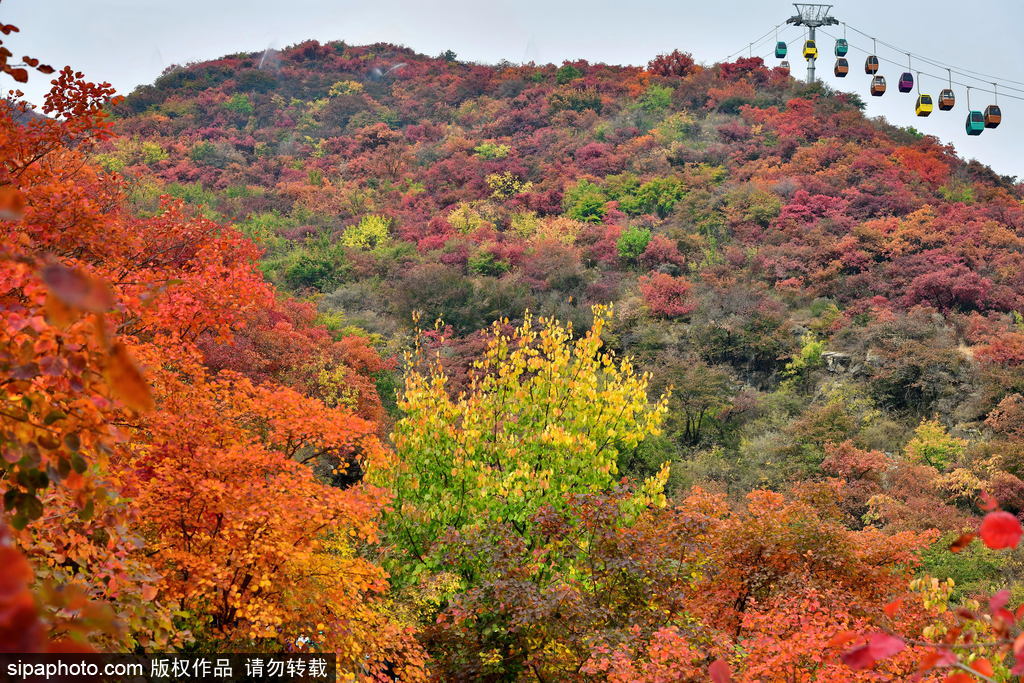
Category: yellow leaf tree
<point>545,414</point>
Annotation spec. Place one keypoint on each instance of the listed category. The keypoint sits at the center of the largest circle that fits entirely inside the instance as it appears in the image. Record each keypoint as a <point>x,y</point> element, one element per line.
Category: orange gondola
<point>993,115</point>
<point>842,67</point>
<point>947,98</point>
<point>871,63</point>
<point>878,86</point>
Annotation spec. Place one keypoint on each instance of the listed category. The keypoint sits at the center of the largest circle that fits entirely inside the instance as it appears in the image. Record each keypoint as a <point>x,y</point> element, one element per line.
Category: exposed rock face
<point>836,362</point>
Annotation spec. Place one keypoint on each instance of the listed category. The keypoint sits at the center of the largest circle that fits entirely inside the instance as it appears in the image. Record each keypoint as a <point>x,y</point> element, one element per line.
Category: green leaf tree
<point>632,242</point>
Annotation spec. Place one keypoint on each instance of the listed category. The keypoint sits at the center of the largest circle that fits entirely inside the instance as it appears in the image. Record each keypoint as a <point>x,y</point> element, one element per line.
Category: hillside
<point>721,375</point>
<point>756,234</point>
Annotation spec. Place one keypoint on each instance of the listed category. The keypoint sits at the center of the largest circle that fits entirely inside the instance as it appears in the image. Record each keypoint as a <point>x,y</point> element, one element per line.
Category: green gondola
<point>842,47</point>
<point>975,122</point>
<point>780,50</point>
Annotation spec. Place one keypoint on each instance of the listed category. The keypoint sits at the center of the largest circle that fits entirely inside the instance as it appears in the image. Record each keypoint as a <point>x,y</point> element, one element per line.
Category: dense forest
<point>508,372</point>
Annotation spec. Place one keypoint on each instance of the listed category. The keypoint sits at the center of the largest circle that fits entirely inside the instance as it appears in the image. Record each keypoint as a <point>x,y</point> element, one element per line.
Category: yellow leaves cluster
<point>467,218</point>
<point>933,445</point>
<point>506,184</point>
<point>546,413</point>
<point>348,87</point>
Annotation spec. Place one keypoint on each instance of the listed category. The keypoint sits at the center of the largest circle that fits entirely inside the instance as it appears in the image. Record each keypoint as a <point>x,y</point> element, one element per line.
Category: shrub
<point>632,243</point>
<point>486,263</point>
<point>933,445</point>
<point>491,151</point>
<point>240,104</point>
<point>369,233</point>
<point>667,296</point>
<point>657,98</point>
<point>585,202</point>
<point>575,99</point>
<point>567,73</point>
<point>675,63</point>
<point>505,185</point>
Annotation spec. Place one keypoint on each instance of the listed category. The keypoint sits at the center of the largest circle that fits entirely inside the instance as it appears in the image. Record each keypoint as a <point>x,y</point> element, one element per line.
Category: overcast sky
<point>129,42</point>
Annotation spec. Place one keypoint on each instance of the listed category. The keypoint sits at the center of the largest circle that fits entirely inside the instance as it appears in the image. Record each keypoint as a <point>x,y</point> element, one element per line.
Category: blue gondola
<point>975,122</point>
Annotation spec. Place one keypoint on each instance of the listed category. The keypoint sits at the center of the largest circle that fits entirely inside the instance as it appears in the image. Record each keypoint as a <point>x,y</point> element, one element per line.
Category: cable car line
<point>757,42</point>
<point>966,73</point>
<point>816,17</point>
<point>940,78</point>
<point>780,30</point>
<point>949,70</point>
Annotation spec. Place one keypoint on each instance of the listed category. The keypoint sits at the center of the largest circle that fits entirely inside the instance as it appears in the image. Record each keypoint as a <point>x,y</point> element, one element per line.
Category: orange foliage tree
<point>197,502</point>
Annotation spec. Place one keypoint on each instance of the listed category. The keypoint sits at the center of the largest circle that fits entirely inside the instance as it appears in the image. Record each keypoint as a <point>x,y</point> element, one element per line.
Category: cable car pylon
<point>811,16</point>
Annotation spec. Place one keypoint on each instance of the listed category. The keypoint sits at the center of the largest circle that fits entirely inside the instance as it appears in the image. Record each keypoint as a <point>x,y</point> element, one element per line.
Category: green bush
<point>632,243</point>
<point>657,98</point>
<point>240,104</point>
<point>658,196</point>
<point>585,202</point>
<point>308,272</point>
<point>567,73</point>
<point>485,263</point>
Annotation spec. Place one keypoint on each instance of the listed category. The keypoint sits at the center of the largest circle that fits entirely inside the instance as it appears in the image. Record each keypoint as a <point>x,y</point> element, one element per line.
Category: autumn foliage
<point>520,372</point>
<point>141,479</point>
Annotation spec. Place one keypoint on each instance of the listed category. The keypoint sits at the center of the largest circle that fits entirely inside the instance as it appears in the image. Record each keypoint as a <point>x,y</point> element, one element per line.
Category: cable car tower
<point>812,16</point>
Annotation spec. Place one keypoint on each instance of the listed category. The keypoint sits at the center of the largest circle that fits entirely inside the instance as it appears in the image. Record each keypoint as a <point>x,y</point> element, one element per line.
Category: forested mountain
<point>513,372</point>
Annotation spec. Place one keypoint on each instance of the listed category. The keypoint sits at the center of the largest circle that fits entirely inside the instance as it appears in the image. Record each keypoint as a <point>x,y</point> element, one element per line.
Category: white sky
<point>129,42</point>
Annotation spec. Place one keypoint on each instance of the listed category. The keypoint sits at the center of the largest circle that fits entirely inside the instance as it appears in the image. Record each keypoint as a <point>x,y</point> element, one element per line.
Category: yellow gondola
<point>810,50</point>
<point>924,105</point>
